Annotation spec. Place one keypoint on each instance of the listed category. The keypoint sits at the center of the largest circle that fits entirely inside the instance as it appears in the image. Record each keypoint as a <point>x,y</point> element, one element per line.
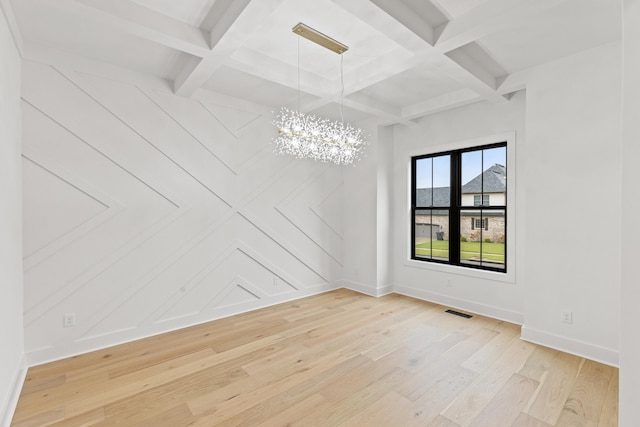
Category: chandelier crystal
<point>307,136</point>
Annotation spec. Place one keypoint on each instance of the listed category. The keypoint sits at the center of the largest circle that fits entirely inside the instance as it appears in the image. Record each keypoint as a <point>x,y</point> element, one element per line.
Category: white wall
<point>567,247</point>
<point>481,292</point>
<point>573,196</point>
<point>367,217</point>
<point>146,212</point>
<point>630,291</point>
<point>12,363</point>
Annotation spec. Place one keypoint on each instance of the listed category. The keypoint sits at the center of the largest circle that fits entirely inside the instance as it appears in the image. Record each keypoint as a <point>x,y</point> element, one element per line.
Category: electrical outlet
<point>567,316</point>
<point>449,282</point>
<point>69,320</point>
<point>276,282</point>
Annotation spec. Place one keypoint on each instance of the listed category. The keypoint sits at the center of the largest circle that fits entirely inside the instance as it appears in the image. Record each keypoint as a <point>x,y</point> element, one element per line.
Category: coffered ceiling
<point>406,58</point>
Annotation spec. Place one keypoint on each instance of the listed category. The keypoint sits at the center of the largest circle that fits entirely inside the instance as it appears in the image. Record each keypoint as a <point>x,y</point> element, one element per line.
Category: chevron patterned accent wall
<point>146,212</point>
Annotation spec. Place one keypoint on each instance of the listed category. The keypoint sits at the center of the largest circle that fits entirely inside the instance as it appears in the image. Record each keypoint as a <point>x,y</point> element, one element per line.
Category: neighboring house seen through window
<point>459,207</point>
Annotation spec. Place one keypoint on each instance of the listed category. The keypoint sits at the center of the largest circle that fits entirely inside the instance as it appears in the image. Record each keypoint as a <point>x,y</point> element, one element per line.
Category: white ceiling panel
<point>275,38</point>
<point>53,24</point>
<point>571,27</point>
<point>245,86</point>
<point>412,86</point>
<point>332,112</point>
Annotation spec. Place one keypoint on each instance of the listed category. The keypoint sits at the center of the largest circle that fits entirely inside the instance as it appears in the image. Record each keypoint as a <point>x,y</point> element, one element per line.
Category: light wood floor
<point>336,359</point>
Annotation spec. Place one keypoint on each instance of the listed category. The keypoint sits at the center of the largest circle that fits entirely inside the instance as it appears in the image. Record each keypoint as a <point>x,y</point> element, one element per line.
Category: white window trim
<point>510,275</point>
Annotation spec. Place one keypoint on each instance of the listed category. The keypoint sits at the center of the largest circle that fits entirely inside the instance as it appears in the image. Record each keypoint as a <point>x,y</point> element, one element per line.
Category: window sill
<point>508,277</point>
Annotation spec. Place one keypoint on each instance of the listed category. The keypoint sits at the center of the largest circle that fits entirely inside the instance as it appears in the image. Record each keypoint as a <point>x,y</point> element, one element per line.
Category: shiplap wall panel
<point>149,212</point>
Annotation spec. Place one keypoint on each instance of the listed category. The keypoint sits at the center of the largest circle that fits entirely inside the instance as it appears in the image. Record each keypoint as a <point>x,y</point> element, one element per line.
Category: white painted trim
<point>48,354</point>
<point>362,288</point>
<point>510,275</point>
<point>10,18</point>
<point>461,304</point>
<point>9,406</point>
<point>579,348</point>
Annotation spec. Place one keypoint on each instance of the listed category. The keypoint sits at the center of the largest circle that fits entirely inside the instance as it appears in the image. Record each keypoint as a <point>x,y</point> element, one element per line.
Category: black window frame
<point>456,208</point>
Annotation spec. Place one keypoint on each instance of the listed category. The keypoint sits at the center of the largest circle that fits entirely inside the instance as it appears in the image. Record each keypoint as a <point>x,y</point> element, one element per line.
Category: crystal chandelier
<point>307,136</point>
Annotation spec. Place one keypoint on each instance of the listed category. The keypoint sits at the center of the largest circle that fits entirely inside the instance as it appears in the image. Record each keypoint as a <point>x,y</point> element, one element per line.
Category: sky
<point>473,163</point>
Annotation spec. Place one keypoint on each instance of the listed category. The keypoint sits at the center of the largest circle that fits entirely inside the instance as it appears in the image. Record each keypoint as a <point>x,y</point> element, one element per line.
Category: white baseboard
<point>9,406</point>
<point>461,304</point>
<point>567,345</point>
<point>366,289</point>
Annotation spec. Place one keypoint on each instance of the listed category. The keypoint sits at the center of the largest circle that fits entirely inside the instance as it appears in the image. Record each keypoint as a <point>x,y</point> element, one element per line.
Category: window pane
<point>431,234</point>
<point>441,181</point>
<point>482,238</point>
<point>424,182</point>
<point>471,175</point>
<point>470,236</point>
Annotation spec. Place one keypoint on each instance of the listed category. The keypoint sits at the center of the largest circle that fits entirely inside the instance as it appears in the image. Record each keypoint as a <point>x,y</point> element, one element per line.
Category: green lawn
<point>468,250</point>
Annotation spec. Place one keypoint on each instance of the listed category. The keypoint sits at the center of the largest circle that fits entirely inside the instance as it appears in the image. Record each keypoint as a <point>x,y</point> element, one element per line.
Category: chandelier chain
<point>341,87</point>
<point>298,74</point>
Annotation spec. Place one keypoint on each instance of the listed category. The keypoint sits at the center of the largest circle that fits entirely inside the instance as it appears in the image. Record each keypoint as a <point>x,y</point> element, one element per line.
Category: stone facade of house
<point>495,231</point>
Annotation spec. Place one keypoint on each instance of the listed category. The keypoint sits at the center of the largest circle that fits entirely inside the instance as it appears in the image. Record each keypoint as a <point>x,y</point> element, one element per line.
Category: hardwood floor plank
<point>87,419</point>
<point>555,386</point>
<point>539,364</point>
<point>525,420</point>
<point>38,419</point>
<point>132,409</point>
<point>292,415</point>
<point>609,413</point>
<point>435,399</point>
<point>249,408</point>
<point>505,407</point>
<point>441,421</point>
<point>483,358</point>
<point>383,412</point>
<point>34,384</point>
<point>468,405</point>
<point>356,402</point>
<point>339,358</point>
<point>585,400</point>
<point>94,394</point>
<point>429,374</point>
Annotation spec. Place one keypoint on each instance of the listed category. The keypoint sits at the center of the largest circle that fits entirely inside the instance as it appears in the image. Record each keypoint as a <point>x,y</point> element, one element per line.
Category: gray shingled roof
<point>440,196</point>
<point>493,179</point>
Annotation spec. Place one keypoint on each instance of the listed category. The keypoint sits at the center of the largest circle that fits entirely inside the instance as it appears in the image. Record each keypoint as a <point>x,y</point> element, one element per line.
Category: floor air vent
<point>457,313</point>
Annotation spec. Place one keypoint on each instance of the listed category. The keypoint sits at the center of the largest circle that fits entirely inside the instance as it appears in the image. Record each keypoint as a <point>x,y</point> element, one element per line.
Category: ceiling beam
<point>408,18</point>
<point>143,22</point>
<point>235,25</point>
<point>378,18</point>
<point>373,106</point>
<point>443,102</point>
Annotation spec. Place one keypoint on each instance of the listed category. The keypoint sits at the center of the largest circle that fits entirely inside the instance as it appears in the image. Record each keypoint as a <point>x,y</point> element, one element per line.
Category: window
<point>453,221</point>
<point>477,198</point>
<point>480,223</point>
